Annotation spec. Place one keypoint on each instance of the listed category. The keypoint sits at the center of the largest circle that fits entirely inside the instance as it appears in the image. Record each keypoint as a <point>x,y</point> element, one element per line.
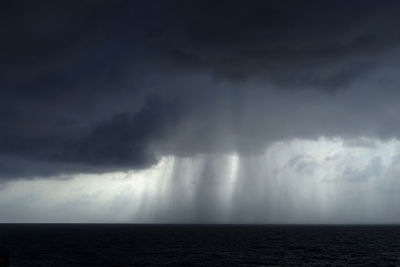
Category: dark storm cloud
<point>100,85</point>
<point>292,43</point>
<point>125,138</point>
<point>123,142</point>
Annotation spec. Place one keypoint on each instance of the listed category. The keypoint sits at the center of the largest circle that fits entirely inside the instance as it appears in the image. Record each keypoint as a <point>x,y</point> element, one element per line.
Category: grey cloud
<point>350,174</point>
<point>289,43</point>
<point>76,79</point>
<point>124,139</point>
<point>119,143</point>
<point>361,142</point>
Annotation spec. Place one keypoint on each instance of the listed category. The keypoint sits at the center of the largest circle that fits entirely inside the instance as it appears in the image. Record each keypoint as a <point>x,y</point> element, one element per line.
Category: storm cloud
<point>100,86</point>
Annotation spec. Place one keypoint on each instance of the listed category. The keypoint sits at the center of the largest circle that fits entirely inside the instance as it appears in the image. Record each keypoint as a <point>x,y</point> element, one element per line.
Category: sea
<point>199,245</point>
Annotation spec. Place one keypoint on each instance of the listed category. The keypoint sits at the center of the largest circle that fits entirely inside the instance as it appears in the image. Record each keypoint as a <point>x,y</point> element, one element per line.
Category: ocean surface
<point>202,245</point>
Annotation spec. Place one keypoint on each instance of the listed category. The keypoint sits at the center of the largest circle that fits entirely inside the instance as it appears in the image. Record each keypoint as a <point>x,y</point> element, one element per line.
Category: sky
<point>200,111</point>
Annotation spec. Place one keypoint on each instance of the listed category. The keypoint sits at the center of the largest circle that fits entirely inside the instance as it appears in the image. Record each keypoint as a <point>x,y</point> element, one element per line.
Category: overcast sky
<point>200,111</point>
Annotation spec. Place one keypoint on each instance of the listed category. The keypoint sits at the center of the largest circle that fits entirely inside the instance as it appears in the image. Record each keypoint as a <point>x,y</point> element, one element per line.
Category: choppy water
<point>203,245</point>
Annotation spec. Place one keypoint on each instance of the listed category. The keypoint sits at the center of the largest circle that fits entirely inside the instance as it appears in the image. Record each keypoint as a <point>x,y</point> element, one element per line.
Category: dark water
<point>205,245</point>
